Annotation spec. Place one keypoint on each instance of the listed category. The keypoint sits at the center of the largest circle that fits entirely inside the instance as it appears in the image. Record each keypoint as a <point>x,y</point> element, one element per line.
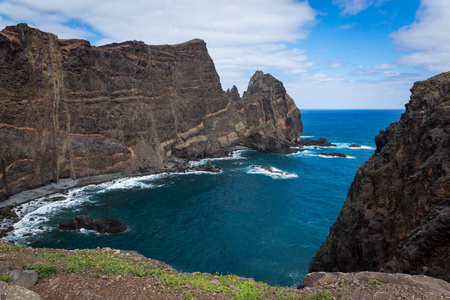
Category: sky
<point>330,54</point>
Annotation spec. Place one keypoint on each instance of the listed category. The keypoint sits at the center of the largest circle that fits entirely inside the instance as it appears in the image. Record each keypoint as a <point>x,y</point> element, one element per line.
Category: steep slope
<point>397,214</point>
<point>68,109</point>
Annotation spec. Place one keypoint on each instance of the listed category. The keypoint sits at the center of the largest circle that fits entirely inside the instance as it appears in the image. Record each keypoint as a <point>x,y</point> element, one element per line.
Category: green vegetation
<point>14,247</point>
<point>258,127</point>
<point>375,282</point>
<point>342,295</point>
<point>320,296</point>
<point>5,278</point>
<point>43,270</point>
<point>92,263</point>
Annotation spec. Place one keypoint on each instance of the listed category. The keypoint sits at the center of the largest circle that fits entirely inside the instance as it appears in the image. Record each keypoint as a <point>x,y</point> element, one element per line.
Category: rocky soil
<point>166,283</point>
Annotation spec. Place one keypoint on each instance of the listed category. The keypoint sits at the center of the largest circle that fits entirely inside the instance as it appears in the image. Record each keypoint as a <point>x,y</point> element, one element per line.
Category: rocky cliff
<point>69,109</point>
<point>397,214</point>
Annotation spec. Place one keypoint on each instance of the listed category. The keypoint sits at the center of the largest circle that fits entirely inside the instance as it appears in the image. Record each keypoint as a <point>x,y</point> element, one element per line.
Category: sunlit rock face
<point>68,109</point>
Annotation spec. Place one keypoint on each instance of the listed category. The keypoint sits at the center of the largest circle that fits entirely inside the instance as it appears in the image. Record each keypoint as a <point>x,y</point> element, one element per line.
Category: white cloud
<point>242,35</point>
<point>353,7</point>
<point>335,65</point>
<point>428,35</point>
<point>385,66</point>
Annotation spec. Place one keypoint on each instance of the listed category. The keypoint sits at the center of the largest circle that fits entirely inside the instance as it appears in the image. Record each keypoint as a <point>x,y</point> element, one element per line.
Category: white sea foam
<point>346,145</point>
<point>326,156</point>
<point>34,215</point>
<point>234,155</point>
<point>307,136</point>
<point>273,172</point>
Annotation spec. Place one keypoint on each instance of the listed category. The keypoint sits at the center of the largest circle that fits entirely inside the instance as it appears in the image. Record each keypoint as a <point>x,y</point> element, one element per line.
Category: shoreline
<point>175,165</point>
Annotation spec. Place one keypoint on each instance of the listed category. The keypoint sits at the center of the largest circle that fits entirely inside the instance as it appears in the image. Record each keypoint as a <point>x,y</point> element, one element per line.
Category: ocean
<point>244,221</point>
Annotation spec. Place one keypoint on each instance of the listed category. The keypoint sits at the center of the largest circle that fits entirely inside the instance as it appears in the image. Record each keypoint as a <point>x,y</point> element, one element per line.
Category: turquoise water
<point>242,221</point>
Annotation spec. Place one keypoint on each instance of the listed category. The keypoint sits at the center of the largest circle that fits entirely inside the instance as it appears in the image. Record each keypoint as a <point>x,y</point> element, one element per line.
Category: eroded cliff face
<point>397,214</point>
<point>69,109</point>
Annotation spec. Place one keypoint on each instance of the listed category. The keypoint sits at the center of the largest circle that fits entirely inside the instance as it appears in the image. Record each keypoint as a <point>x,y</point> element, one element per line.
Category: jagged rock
<point>334,154</point>
<point>59,198</point>
<point>24,278</point>
<point>354,146</point>
<point>70,109</point>
<point>99,225</point>
<point>11,291</point>
<point>321,142</point>
<point>397,216</point>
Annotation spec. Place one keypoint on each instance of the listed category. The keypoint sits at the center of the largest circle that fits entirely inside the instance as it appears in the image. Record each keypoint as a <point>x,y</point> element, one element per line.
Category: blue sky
<point>330,54</point>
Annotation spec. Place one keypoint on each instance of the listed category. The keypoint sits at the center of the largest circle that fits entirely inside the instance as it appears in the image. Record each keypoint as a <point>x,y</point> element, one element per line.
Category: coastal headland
<point>72,114</point>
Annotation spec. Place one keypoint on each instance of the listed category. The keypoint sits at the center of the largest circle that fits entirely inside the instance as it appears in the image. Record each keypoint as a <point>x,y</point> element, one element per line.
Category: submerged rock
<point>354,146</point>
<point>99,225</point>
<point>334,154</point>
<point>270,170</point>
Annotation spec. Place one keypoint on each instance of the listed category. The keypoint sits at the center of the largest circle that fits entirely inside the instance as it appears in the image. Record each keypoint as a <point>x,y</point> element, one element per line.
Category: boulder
<point>24,278</point>
<point>11,291</point>
<point>99,225</point>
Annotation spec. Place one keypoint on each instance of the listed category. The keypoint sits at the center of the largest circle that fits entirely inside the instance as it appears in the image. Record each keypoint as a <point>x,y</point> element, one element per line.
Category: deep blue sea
<point>244,221</point>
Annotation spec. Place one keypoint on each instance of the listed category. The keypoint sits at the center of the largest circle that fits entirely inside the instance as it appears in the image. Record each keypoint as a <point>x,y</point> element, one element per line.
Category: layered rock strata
<point>68,109</point>
<point>397,214</point>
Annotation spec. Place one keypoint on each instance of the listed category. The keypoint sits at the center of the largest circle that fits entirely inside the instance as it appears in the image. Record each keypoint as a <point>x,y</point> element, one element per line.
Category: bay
<point>243,221</point>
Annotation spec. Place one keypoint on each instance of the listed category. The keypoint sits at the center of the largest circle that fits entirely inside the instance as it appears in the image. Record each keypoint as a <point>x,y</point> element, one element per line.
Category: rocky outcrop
<point>397,214</point>
<point>320,142</point>
<point>68,109</point>
<point>99,225</point>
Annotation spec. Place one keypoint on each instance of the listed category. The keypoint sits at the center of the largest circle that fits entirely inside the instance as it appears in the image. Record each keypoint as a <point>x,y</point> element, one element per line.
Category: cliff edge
<point>68,109</point>
<point>397,214</point>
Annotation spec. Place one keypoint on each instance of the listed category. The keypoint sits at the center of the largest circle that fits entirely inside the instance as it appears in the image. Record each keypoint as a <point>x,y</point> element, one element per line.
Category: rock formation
<point>397,214</point>
<point>68,109</point>
<point>99,225</point>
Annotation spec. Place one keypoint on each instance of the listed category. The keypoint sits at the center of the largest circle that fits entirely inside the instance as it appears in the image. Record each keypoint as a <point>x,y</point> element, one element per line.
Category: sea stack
<point>69,109</point>
<point>397,214</point>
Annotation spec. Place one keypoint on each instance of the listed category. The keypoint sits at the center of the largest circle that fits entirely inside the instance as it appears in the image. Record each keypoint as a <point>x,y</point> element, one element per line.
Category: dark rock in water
<point>59,198</point>
<point>269,169</point>
<point>124,108</point>
<point>208,167</point>
<point>354,146</point>
<point>27,234</point>
<point>321,142</point>
<point>397,214</point>
<point>334,154</point>
<point>99,225</point>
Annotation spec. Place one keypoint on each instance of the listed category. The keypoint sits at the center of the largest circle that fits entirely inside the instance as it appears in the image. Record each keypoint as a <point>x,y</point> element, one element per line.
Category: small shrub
<point>5,278</point>
<point>43,270</point>
<point>375,282</point>
<point>341,295</point>
<point>320,296</point>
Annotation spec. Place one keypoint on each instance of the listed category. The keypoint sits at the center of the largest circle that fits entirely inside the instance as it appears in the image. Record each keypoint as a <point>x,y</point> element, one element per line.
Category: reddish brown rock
<point>68,109</point>
<point>397,214</point>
